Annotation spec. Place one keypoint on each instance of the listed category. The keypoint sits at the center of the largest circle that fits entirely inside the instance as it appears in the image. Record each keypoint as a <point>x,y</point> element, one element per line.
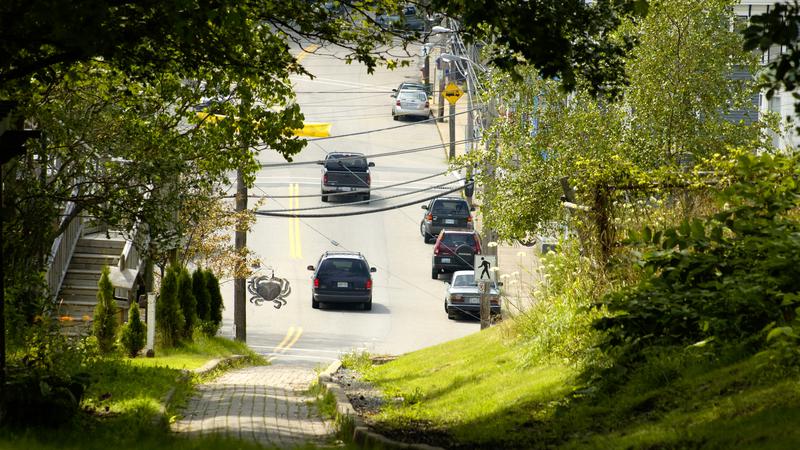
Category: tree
<point>169,318</point>
<point>188,304</point>
<point>778,27</point>
<point>679,92</point>
<point>567,40</point>
<point>133,333</point>
<point>104,325</point>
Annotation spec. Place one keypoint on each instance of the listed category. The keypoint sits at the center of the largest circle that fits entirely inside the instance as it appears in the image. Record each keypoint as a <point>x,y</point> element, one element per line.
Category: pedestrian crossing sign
<point>485,268</point>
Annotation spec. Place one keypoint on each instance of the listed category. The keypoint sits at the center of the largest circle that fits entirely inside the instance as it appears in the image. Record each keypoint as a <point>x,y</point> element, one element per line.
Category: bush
<point>188,304</point>
<point>105,323</point>
<point>729,277</point>
<point>201,295</point>
<point>169,318</point>
<point>47,378</point>
<point>216,305</point>
<point>133,332</point>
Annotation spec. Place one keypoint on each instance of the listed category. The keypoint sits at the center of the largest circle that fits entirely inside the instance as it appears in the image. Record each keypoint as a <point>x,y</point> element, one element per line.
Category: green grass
<point>122,405</point>
<point>474,392</point>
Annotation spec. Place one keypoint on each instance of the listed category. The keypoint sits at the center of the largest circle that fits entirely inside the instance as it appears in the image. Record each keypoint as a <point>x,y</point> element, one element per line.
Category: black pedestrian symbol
<point>485,272</point>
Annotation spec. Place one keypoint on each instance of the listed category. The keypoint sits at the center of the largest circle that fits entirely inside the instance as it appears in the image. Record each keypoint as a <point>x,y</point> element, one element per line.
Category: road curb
<point>348,419</point>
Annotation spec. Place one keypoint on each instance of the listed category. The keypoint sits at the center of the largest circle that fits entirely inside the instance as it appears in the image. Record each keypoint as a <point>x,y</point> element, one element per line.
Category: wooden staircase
<point>78,295</point>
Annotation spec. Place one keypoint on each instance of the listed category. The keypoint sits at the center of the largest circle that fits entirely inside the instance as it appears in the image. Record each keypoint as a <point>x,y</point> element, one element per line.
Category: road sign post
<point>452,93</point>
<point>485,270</point>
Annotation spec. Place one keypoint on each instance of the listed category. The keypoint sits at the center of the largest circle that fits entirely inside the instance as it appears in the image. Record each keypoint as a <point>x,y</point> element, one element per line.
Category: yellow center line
<point>305,52</point>
<point>293,341</point>
<point>285,339</point>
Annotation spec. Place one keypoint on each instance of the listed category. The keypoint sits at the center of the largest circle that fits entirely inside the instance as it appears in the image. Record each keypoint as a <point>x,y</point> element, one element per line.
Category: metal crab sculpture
<point>269,289</point>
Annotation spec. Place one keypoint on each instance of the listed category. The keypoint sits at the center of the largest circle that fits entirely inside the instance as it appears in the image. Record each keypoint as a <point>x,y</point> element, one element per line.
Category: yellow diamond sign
<point>452,93</point>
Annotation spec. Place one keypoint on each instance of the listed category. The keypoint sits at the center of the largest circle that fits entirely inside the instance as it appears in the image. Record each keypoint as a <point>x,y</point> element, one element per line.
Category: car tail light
<point>316,283</point>
<point>427,104</point>
<point>436,249</point>
<point>398,103</point>
<point>469,219</point>
<point>429,217</point>
<point>456,298</point>
<point>494,301</point>
<point>369,179</point>
<point>325,179</point>
<point>477,247</point>
<point>369,284</point>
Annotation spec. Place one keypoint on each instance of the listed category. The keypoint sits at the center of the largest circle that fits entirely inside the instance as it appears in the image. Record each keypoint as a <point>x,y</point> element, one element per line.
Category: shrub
<point>728,277</point>
<point>216,306</point>
<point>201,295</point>
<point>133,332</point>
<point>169,318</point>
<point>188,304</point>
<point>105,323</point>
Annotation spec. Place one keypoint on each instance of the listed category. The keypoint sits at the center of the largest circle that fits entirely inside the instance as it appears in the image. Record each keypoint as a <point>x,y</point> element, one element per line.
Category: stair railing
<point>62,249</point>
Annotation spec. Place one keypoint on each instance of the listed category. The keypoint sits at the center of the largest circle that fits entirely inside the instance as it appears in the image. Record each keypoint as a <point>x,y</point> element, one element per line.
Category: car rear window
<point>352,162</point>
<point>413,95</point>
<point>454,207</point>
<point>343,267</point>
<point>454,240</point>
<point>464,280</point>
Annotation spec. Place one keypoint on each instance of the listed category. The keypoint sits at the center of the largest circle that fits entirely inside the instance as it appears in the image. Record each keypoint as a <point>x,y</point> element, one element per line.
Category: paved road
<point>408,309</point>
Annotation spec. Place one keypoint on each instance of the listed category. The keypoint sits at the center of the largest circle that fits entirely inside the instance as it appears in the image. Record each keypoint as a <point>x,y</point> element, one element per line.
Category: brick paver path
<point>263,403</point>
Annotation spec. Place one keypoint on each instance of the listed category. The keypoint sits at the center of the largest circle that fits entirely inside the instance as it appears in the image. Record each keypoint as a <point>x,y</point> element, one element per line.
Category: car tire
<point>366,198</point>
<point>394,117</point>
<point>425,236</point>
<point>368,306</point>
<point>450,314</point>
<point>314,303</point>
<point>324,198</point>
<point>434,274</point>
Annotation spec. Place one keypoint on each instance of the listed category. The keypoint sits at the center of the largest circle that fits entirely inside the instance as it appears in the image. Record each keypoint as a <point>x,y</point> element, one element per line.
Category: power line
<point>355,213</point>
<point>377,155</point>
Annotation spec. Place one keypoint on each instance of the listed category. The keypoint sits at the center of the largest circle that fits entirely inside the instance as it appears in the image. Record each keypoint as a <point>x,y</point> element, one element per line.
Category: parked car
<point>464,297</point>
<point>407,19</point>
<point>445,212</point>
<point>454,250</point>
<point>411,103</point>
<point>342,277</point>
<point>409,85</point>
<point>346,173</point>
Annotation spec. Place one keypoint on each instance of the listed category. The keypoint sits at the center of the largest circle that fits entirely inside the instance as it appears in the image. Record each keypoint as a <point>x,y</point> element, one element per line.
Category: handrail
<point>62,249</point>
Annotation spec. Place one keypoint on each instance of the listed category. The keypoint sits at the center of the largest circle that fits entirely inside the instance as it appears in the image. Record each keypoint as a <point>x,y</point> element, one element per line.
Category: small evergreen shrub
<point>133,332</point>
<point>215,305</point>
<point>201,295</point>
<point>105,323</point>
<point>188,304</point>
<point>169,318</point>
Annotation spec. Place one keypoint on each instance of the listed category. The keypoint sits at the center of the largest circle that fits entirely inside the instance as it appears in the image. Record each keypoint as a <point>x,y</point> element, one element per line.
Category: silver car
<point>463,296</point>
<point>412,103</point>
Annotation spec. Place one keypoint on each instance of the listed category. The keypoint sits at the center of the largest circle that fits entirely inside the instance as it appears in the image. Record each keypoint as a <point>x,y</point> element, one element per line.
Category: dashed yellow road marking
<point>303,53</point>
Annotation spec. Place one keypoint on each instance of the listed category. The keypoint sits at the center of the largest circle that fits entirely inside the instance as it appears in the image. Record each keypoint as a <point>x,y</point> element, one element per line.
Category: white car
<point>464,298</point>
<point>411,103</point>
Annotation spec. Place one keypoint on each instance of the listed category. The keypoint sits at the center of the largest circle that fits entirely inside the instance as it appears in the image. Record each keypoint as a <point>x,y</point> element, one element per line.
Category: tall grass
<point>557,326</point>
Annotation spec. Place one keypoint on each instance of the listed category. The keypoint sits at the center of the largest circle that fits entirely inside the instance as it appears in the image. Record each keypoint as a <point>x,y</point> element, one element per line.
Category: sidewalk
<point>518,265</point>
<point>266,404</point>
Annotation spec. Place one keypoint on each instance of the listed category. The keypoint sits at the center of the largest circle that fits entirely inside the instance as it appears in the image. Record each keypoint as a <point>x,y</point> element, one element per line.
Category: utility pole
<point>239,315</point>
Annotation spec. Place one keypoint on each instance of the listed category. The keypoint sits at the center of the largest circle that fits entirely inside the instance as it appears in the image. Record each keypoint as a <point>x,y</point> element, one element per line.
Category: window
<point>343,267</point>
<point>450,207</point>
<point>352,162</point>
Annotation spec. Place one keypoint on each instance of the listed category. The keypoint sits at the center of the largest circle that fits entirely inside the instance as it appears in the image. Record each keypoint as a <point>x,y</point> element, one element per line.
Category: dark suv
<point>454,250</point>
<point>445,212</point>
<point>342,277</point>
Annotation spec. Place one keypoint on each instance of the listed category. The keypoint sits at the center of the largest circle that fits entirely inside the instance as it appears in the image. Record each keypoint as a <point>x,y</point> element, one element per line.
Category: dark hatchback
<point>454,250</point>
<point>342,277</point>
<point>445,212</point>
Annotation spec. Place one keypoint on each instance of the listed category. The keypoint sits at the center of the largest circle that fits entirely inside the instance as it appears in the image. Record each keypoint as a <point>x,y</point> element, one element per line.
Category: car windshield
<point>450,207</point>
<point>352,162</point>
<point>412,95</point>
<point>343,267</point>
<point>455,240</point>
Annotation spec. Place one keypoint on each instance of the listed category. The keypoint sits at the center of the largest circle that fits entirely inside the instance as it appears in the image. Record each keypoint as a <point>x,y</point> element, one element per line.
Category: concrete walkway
<point>262,403</point>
